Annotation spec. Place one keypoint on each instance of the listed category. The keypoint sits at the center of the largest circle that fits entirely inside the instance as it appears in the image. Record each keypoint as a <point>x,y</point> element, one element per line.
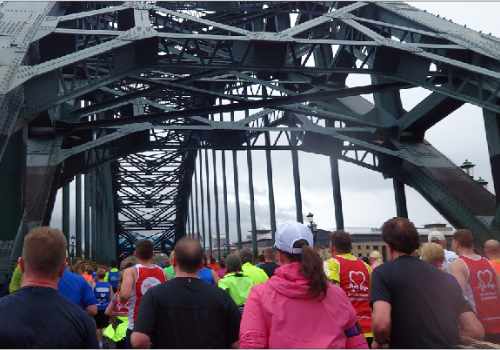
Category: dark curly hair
<point>401,235</point>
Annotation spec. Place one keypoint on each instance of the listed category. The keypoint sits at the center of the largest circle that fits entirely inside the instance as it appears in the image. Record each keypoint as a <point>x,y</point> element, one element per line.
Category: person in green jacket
<point>169,270</point>
<point>16,279</point>
<point>235,282</point>
<point>256,274</point>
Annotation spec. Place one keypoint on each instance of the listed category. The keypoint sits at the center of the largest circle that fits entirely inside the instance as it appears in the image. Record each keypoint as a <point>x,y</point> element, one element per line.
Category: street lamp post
<point>72,246</point>
<point>312,225</point>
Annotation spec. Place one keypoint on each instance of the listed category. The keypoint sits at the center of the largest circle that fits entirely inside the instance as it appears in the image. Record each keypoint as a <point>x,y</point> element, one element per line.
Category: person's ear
<point>20,261</point>
<point>281,260</point>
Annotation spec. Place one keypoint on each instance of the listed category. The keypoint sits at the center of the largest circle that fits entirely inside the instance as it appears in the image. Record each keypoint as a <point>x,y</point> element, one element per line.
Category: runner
<point>297,307</point>
<point>353,276</point>
<point>433,254</point>
<point>116,331</point>
<point>138,279</point>
<point>375,259</point>
<point>256,274</point>
<point>88,274</point>
<point>414,304</point>
<point>492,251</point>
<point>269,265</point>
<point>207,275</point>
<point>213,264</point>
<point>185,312</point>
<point>234,282</point>
<point>439,238</point>
<point>37,316</point>
<point>223,269</point>
<point>479,282</point>
<point>16,279</point>
<point>103,292</point>
<point>113,276</point>
<point>169,269</point>
<point>74,288</point>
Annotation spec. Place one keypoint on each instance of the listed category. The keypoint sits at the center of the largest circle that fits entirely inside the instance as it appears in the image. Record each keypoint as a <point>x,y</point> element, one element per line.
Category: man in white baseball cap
<point>439,238</point>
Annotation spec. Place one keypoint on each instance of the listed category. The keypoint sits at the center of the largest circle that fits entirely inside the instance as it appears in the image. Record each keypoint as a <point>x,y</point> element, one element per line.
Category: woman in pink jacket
<point>297,307</point>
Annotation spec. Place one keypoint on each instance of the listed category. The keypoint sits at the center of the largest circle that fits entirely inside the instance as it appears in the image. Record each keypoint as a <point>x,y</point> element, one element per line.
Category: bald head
<point>44,253</point>
<point>188,255</point>
<point>492,249</point>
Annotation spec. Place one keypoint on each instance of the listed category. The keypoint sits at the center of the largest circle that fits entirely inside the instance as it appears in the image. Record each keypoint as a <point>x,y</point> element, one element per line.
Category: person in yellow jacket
<point>15,280</point>
<point>235,283</point>
<point>256,274</point>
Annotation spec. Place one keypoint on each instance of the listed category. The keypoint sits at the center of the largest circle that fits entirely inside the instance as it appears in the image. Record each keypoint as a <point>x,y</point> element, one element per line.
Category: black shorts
<point>101,320</point>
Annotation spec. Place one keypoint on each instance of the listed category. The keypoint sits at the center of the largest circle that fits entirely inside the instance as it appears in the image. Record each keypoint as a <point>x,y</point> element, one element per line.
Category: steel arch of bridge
<point>134,95</point>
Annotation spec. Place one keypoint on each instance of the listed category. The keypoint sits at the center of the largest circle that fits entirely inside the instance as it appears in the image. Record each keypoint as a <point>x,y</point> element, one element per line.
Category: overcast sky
<point>368,199</point>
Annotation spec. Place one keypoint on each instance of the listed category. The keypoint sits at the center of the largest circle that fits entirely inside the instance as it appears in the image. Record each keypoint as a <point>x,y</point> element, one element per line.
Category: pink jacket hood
<point>289,281</point>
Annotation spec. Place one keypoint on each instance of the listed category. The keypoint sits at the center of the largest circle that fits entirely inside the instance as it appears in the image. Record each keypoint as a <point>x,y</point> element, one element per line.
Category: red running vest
<point>147,277</point>
<point>482,279</point>
<point>355,281</point>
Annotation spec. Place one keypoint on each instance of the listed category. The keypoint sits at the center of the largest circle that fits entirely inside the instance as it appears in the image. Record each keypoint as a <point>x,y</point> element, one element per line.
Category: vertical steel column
<point>93,194</point>
<point>197,202</point>
<point>86,214</point>
<point>209,206</point>
<point>236,191</point>
<point>252,200</point>
<point>400,196</point>
<point>237,196</point>
<point>66,212</point>
<point>270,187</point>
<point>187,223</point>
<point>216,203</point>
<point>202,203</point>
<point>269,168</point>
<point>78,215</point>
<point>337,195</point>
<point>192,211</point>
<point>224,190</point>
<point>296,178</point>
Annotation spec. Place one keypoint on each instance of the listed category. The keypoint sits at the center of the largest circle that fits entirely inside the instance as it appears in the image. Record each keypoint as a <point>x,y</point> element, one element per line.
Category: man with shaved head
<point>492,251</point>
<point>186,312</point>
<point>36,316</point>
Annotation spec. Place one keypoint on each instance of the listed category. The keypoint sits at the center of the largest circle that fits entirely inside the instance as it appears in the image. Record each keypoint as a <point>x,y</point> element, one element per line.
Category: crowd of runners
<point>293,296</point>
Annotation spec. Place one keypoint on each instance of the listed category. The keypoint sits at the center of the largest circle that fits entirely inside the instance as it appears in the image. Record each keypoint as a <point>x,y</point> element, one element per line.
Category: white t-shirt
<point>449,257</point>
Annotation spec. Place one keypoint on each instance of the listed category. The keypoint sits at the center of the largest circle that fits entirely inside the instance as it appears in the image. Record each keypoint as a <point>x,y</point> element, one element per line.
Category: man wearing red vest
<point>479,282</point>
<point>353,276</point>
<point>138,279</point>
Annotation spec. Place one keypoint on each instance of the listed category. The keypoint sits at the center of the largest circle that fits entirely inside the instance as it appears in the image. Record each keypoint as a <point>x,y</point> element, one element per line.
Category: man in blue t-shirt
<point>75,289</point>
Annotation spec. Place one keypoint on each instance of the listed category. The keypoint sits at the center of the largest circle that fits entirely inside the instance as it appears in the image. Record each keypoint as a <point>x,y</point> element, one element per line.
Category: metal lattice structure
<point>134,95</point>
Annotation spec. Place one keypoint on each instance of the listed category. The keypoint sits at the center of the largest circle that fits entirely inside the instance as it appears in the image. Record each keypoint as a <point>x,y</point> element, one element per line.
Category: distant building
<point>364,239</point>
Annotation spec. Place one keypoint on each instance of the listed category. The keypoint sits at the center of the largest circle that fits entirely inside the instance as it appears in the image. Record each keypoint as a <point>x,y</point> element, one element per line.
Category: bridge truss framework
<point>136,95</point>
